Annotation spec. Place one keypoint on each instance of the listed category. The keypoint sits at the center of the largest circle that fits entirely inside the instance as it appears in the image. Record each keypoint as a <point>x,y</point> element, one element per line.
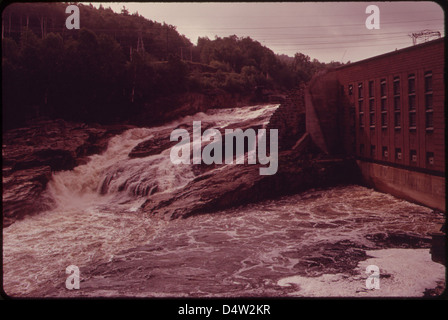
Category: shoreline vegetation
<point>121,68</point>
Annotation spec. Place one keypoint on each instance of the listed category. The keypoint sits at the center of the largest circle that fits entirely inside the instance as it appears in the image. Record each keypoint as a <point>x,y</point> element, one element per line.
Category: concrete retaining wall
<point>422,188</point>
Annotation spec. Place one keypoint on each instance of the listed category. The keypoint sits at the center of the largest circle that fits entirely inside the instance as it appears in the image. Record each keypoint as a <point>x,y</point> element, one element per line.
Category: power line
<point>317,38</point>
<point>307,15</point>
<point>341,47</point>
<point>326,35</point>
<point>309,26</point>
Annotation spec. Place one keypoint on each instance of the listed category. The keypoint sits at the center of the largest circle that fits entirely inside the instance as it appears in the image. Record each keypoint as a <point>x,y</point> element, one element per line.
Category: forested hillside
<point>119,66</point>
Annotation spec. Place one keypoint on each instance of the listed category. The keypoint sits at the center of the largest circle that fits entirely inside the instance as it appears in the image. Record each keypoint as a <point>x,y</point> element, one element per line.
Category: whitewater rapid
<point>316,243</point>
<point>90,223</point>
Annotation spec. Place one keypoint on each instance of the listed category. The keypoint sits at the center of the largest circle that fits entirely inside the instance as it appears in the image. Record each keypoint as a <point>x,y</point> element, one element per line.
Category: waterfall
<point>96,205</point>
<point>114,177</point>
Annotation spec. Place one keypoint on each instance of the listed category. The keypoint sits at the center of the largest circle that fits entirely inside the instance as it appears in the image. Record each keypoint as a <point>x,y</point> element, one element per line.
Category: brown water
<point>245,251</point>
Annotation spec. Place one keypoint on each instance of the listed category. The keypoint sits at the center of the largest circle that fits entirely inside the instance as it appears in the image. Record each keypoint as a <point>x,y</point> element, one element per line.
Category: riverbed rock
<point>21,191</point>
<point>31,154</point>
<point>234,185</point>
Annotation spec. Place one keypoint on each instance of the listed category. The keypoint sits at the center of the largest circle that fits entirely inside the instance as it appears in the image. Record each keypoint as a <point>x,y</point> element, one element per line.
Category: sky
<point>327,31</point>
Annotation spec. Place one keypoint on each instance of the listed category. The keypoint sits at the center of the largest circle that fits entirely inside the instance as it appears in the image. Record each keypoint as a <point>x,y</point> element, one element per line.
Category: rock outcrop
<point>301,166</point>
<point>240,184</point>
<point>32,153</point>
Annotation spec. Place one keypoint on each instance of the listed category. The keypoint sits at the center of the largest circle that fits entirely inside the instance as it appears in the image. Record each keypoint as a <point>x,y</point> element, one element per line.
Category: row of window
<point>429,121</point>
<point>398,154</point>
<point>412,102</point>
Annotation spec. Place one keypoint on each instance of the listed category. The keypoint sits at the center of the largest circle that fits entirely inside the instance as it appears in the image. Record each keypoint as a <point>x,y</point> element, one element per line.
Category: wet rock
<point>161,141</point>
<point>32,153</point>
<point>56,159</point>
<point>437,291</point>
<point>329,258</point>
<point>150,147</point>
<point>399,240</point>
<point>234,185</point>
<point>21,191</point>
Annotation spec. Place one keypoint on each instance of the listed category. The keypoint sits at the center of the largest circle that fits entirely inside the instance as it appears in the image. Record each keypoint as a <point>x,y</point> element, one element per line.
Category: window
<point>360,106</point>
<point>429,159</point>
<point>372,119</point>
<point>384,152</point>
<point>397,153</point>
<point>350,89</point>
<point>361,149</point>
<point>383,88</point>
<point>371,105</point>
<point>428,81</point>
<point>412,120</point>
<point>360,91</point>
<point>412,102</point>
<point>371,89</point>
<point>383,104</point>
<point>397,105</point>
<point>413,156</point>
<point>396,86</point>
<point>384,119</point>
<point>372,151</point>
<point>428,101</point>
<point>411,83</point>
<point>371,108</point>
<point>361,120</point>
<point>397,120</point>
<point>429,120</point>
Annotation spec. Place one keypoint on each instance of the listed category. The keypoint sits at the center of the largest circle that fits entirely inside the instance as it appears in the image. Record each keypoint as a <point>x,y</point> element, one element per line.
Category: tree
<point>124,11</point>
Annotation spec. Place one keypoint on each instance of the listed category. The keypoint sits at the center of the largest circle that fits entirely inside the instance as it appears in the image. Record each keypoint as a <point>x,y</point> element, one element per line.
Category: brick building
<point>388,112</point>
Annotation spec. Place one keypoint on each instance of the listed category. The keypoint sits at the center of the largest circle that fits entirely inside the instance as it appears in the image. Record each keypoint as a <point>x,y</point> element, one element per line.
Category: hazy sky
<point>323,30</point>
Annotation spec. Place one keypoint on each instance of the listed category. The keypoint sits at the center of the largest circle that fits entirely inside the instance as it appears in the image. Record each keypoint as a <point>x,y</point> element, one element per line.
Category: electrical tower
<point>424,35</point>
<point>140,45</point>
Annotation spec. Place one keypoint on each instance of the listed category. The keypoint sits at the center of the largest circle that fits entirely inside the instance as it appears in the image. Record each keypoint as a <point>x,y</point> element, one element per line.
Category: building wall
<point>422,139</point>
<point>391,113</point>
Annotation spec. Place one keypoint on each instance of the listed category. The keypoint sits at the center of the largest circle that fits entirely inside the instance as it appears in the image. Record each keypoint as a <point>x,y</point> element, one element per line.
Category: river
<point>316,243</point>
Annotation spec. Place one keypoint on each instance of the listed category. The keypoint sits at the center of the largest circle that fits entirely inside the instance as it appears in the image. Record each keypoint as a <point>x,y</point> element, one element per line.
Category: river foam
<point>245,251</point>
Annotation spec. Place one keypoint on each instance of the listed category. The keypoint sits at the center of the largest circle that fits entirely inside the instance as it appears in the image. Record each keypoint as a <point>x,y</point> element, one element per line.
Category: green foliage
<point>119,64</point>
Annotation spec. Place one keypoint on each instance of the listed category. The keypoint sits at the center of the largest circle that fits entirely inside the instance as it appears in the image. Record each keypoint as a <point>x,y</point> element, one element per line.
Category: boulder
<point>234,185</point>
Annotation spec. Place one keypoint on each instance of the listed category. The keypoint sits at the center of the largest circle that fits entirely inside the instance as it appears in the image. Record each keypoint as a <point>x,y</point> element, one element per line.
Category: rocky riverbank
<point>31,154</point>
